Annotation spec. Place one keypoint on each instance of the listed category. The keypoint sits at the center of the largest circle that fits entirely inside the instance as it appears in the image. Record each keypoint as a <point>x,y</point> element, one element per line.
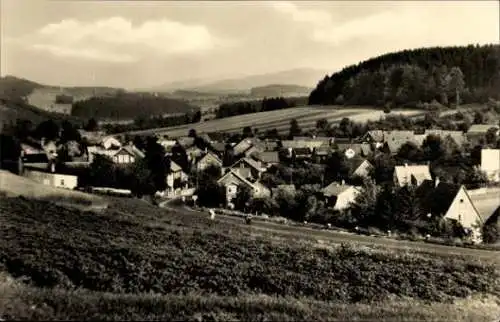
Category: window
<point>459,218</point>
<point>461,200</point>
<point>62,182</point>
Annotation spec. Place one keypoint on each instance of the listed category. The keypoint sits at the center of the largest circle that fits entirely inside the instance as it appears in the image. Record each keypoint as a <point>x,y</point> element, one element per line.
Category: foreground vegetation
<point>181,266</point>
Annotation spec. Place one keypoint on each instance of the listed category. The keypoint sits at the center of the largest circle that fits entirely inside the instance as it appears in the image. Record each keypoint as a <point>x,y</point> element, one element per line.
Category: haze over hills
<point>306,77</point>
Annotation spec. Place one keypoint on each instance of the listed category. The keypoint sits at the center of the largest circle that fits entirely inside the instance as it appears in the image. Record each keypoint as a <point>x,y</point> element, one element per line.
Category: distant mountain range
<point>301,77</point>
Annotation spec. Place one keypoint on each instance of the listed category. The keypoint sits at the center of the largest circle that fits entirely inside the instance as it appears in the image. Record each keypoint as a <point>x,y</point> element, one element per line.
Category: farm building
<point>413,175</point>
<point>340,195</point>
<point>471,209</point>
<point>52,179</point>
<point>490,164</point>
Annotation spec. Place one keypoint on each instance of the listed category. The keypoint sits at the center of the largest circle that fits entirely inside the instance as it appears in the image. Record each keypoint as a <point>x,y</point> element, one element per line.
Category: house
<point>233,182</point>
<point>478,131</point>
<point>193,153</point>
<point>454,202</point>
<point>27,149</point>
<point>351,150</point>
<point>308,143</point>
<point>209,159</point>
<point>185,142</point>
<point>176,178</point>
<point>50,148</point>
<point>359,167</point>
<point>325,139</point>
<point>340,195</point>
<point>302,153</point>
<point>487,203</point>
<point>394,140</point>
<point>218,148</point>
<point>267,158</point>
<point>125,155</point>
<point>372,137</point>
<point>167,143</point>
<point>321,154</point>
<point>248,168</point>
<point>413,175</point>
<point>490,164</point>
<point>56,180</point>
<point>243,147</point>
<point>110,143</point>
<point>457,136</point>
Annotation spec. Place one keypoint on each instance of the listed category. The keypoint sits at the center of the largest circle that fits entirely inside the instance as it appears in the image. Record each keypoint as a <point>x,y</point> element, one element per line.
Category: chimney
<point>436,182</point>
<point>343,182</point>
<point>406,165</point>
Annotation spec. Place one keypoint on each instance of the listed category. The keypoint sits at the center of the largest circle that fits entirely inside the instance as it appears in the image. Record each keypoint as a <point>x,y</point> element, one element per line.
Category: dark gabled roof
<point>185,141</point>
<point>354,163</point>
<point>218,147</point>
<point>436,200</point>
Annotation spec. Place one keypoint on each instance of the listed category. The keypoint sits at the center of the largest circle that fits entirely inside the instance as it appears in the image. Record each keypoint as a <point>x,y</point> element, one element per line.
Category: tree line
<point>123,106</point>
<point>448,75</point>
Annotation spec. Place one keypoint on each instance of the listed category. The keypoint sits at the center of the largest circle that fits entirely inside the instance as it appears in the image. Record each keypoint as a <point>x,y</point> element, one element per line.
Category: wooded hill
<point>129,106</point>
<point>407,77</point>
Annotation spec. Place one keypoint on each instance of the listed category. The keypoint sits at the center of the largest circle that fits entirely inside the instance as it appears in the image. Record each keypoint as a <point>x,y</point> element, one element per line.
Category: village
<point>260,169</point>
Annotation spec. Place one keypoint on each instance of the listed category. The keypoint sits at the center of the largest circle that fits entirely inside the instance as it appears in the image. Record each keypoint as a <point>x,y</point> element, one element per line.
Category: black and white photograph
<point>249,160</point>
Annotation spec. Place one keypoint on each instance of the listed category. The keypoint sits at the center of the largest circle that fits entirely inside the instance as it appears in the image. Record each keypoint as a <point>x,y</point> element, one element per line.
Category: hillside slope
<point>410,76</point>
<point>10,111</point>
<point>139,262</point>
<point>280,90</point>
<point>13,185</point>
<point>306,77</point>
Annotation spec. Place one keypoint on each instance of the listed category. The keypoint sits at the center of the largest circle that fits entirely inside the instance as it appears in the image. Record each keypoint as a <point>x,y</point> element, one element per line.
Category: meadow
<point>280,119</point>
<point>13,185</point>
<point>136,261</point>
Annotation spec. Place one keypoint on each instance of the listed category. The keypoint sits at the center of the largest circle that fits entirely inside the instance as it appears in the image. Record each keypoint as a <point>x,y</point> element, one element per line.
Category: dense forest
<point>129,106</point>
<point>266,104</point>
<point>468,74</point>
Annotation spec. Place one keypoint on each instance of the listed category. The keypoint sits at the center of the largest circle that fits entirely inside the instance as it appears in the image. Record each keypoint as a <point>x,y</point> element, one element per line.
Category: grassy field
<point>13,185</point>
<point>280,119</point>
<point>135,261</point>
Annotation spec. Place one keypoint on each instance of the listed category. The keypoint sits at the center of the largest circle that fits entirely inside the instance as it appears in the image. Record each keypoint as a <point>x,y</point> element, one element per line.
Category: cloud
<point>405,22</point>
<point>117,40</point>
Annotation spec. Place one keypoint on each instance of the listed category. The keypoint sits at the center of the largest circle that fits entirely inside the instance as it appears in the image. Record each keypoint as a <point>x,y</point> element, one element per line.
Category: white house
<point>176,177</point>
<point>490,163</point>
<point>413,175</point>
<point>110,142</point>
<point>232,181</point>
<point>52,179</point>
<point>341,196</point>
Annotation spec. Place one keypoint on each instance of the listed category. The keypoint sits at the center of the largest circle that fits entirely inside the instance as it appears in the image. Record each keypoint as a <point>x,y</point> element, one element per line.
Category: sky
<point>136,44</point>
